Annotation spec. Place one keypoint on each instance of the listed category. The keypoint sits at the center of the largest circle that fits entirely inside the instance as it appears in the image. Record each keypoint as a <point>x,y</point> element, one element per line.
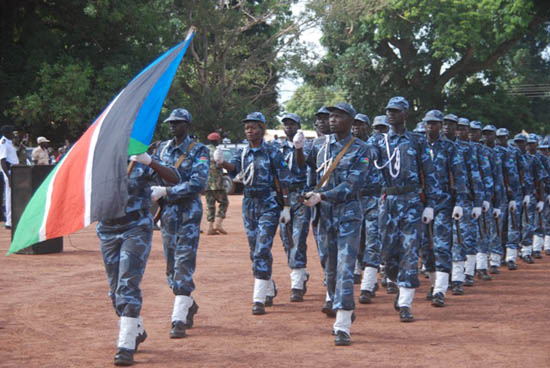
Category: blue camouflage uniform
<point>447,162</point>
<point>401,205</point>
<point>182,212</point>
<point>126,242</point>
<point>545,160</point>
<point>260,210</point>
<point>545,170</point>
<point>341,212</point>
<point>296,248</point>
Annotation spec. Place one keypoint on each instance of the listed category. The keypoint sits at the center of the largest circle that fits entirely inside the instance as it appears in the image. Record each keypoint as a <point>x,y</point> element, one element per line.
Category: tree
<point>421,49</point>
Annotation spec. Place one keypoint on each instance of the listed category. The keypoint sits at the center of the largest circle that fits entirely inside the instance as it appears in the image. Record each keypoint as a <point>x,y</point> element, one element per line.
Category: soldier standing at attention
<point>8,157</point>
<point>341,165</point>
<point>260,165</point>
<point>437,243</point>
<point>294,232</point>
<point>409,179</point>
<point>125,246</point>
<point>541,177</point>
<point>215,190</point>
<point>181,213</point>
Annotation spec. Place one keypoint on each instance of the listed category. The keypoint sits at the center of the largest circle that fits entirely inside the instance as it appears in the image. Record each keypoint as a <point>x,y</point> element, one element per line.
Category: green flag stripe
<point>136,147</point>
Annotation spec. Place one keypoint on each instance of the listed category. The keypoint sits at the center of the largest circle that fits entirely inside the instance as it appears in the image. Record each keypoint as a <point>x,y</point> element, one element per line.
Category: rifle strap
<point>331,168</point>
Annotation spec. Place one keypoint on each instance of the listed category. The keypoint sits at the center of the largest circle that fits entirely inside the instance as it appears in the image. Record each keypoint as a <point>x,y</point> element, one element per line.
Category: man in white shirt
<point>40,155</point>
<point>8,157</point>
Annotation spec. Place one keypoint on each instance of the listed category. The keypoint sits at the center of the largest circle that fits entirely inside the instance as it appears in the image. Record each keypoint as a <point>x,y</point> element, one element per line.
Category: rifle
<point>453,194</point>
<point>499,231</point>
<point>430,235</point>
<point>458,232</point>
<point>512,218</point>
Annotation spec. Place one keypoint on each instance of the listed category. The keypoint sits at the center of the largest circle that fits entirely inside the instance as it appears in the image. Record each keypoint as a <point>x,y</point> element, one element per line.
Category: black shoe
<point>547,252</point>
<point>494,270</point>
<point>429,294</point>
<point>483,275</point>
<point>342,339</point>
<point>269,298</point>
<point>405,314</point>
<point>178,330</point>
<point>258,308</point>
<point>7,227</point>
<point>327,309</point>
<point>528,259</point>
<point>391,287</point>
<point>457,288</point>
<point>356,279</point>
<point>139,339</point>
<point>426,274</point>
<point>124,357</point>
<point>396,302</point>
<point>537,254</point>
<point>512,265</point>
<point>438,300</point>
<point>296,295</point>
<point>469,280</point>
<point>366,297</point>
<point>190,314</point>
<point>384,281</point>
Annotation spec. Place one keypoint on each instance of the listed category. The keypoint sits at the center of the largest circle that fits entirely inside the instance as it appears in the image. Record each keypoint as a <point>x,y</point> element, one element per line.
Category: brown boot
<point>211,230</point>
<point>219,227</point>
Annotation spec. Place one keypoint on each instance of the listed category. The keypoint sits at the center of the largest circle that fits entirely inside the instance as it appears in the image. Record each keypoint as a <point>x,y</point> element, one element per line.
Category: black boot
<point>469,280</point>
<point>269,298</point>
<point>391,287</point>
<point>429,294</point>
<point>342,339</point>
<point>511,265</point>
<point>483,275</point>
<point>190,314</point>
<point>178,330</point>
<point>124,357</point>
<point>405,314</point>
<point>438,300</point>
<point>457,288</point>
<point>494,270</point>
<point>327,309</point>
<point>366,297</point>
<point>296,295</point>
<point>258,309</point>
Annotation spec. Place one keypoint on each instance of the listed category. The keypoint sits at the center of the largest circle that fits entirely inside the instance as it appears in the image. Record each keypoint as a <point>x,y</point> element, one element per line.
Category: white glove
<point>476,212</point>
<point>540,206</point>
<point>526,201</point>
<point>458,212</point>
<point>427,215</point>
<point>512,206</point>
<point>496,212</point>
<point>312,199</point>
<point>285,215</point>
<point>218,156</point>
<point>157,193</point>
<point>485,206</point>
<point>299,140</point>
<point>142,158</point>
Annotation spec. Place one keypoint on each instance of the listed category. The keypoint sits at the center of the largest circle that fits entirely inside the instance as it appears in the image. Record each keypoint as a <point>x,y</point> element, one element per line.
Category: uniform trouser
<point>438,257</point>
<point>514,225</point>
<point>294,234</point>
<point>371,255</point>
<point>180,238</point>
<point>339,234</point>
<point>487,223</point>
<point>400,226</point>
<point>7,200</point>
<point>546,218</point>
<point>260,217</point>
<point>529,225</point>
<point>469,233</point>
<point>213,196</point>
<point>315,220</point>
<point>125,250</point>
<point>495,240</point>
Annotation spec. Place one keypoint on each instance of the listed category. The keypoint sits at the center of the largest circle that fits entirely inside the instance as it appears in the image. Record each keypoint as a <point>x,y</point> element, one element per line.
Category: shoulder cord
<point>391,156</point>
<point>327,161</point>
<point>164,149</point>
<point>248,173</point>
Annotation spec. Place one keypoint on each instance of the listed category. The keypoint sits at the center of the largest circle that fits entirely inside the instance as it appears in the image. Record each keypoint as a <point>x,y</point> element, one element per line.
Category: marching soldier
<point>215,191</point>
<point>180,214</point>
<point>544,148</point>
<point>408,179</point>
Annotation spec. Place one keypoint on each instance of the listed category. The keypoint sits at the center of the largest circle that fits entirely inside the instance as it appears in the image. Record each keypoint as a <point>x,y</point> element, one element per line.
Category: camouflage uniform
<point>126,242</point>
<point>341,213</point>
<point>215,190</point>
<point>182,212</point>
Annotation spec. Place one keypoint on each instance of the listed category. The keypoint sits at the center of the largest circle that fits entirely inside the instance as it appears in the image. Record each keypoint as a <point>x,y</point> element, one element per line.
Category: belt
<point>129,217</point>
<point>258,193</point>
<point>400,190</point>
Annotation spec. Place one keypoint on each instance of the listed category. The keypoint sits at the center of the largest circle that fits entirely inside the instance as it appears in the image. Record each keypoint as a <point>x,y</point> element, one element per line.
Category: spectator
<point>8,157</point>
<point>41,155</point>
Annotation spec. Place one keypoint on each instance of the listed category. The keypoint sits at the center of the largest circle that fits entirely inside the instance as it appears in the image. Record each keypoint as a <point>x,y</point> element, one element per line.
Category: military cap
<point>489,128</point>
<point>532,138</point>
<point>420,127</point>
<point>179,114</point>
<point>343,106</point>
<point>214,136</point>
<point>475,125</point>
<point>398,102</point>
<point>451,117</point>
<point>380,120</point>
<point>433,115</point>
<point>502,132</point>
<point>520,137</point>
<point>545,143</point>
<point>362,117</point>
<point>322,110</point>
<point>464,122</point>
<point>295,118</point>
<point>255,116</point>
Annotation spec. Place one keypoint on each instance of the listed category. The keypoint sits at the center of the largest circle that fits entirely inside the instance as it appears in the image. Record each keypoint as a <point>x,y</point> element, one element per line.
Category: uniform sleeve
<point>486,172</point>
<point>311,163</point>
<point>500,195</point>
<point>155,179</point>
<point>281,167</point>
<point>478,187</point>
<point>432,187</point>
<point>459,175</point>
<point>354,180</point>
<point>511,174</point>
<point>198,178</point>
<point>236,161</point>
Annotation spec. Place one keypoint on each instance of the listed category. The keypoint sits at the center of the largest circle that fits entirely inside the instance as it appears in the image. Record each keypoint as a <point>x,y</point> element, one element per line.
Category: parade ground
<point>54,312</point>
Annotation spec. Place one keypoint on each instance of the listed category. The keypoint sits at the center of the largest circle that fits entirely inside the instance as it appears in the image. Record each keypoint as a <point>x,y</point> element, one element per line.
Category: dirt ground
<point>54,312</point>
